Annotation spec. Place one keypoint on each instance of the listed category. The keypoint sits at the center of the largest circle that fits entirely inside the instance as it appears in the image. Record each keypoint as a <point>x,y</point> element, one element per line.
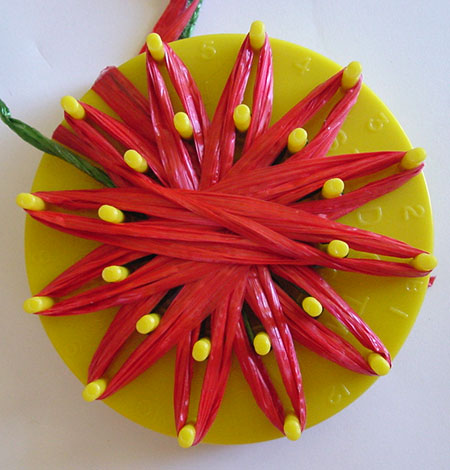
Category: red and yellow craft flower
<point>219,248</point>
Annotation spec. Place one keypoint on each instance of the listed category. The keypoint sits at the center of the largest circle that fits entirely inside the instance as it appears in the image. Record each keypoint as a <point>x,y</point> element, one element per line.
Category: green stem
<point>189,29</point>
<point>36,139</point>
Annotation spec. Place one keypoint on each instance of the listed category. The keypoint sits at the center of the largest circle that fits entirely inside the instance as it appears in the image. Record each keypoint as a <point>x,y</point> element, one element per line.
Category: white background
<point>51,48</point>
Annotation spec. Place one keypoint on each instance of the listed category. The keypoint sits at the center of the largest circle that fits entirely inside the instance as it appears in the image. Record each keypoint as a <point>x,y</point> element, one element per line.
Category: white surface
<point>53,48</point>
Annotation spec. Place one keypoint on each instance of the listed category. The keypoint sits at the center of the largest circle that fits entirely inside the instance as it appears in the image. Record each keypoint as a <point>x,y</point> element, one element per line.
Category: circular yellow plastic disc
<point>389,306</point>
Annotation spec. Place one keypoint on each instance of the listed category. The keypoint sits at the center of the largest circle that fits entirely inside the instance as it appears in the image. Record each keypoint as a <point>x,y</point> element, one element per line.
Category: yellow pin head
<point>30,202</point>
<point>73,107</point>
<point>94,390</point>
<point>257,35</point>
<point>338,249</point>
<point>351,75</point>
<point>413,158</point>
<point>332,188</point>
<point>378,364</point>
<point>115,273</point>
<point>147,323</point>
<point>111,214</point>
<point>186,436</point>
<point>155,46</point>
<point>38,304</point>
<point>292,428</point>
<point>424,262</point>
<point>201,349</point>
<point>183,125</point>
<point>312,306</point>
<point>242,117</point>
<point>262,343</point>
<point>297,139</point>
<point>135,161</point>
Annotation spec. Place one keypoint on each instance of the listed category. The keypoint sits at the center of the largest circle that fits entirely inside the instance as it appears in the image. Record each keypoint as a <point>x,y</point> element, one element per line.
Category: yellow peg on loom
<point>111,214</point>
<point>135,161</point>
<point>378,364</point>
<point>297,139</point>
<point>38,304</point>
<point>262,343</point>
<point>257,35</point>
<point>186,436</point>
<point>424,262</point>
<point>94,390</point>
<point>115,273</point>
<point>155,46</point>
<point>332,188</point>
<point>147,323</point>
<point>73,107</point>
<point>242,117</point>
<point>30,202</point>
<point>351,75</point>
<point>413,158</point>
<point>201,349</point>
<point>292,428</point>
<point>337,249</point>
<point>312,306</point>
<point>183,125</point>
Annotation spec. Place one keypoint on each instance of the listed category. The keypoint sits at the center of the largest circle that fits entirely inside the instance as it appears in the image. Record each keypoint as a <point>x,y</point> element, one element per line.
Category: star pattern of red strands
<point>206,235</point>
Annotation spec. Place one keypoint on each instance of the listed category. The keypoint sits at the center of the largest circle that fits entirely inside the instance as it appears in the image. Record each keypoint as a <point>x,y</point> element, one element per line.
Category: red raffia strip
<point>120,329</point>
<point>105,154</point>
<point>296,224</point>
<point>301,225</point>
<point>201,251</point>
<point>173,20</point>
<point>224,323</point>
<point>322,142</point>
<point>184,370</point>
<point>158,275</point>
<point>269,145</point>
<point>308,279</point>
<point>285,247</point>
<point>193,104</point>
<point>191,306</point>
<point>318,338</point>
<point>73,141</point>
<point>221,138</point>
<point>288,193</point>
<point>87,268</point>
<point>265,237</point>
<point>262,97</point>
<point>126,100</point>
<point>157,206</point>
<point>338,207</point>
<point>128,138</point>
<point>190,97</point>
<point>262,298</point>
<point>173,153</point>
<point>293,180</point>
<point>257,378</point>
